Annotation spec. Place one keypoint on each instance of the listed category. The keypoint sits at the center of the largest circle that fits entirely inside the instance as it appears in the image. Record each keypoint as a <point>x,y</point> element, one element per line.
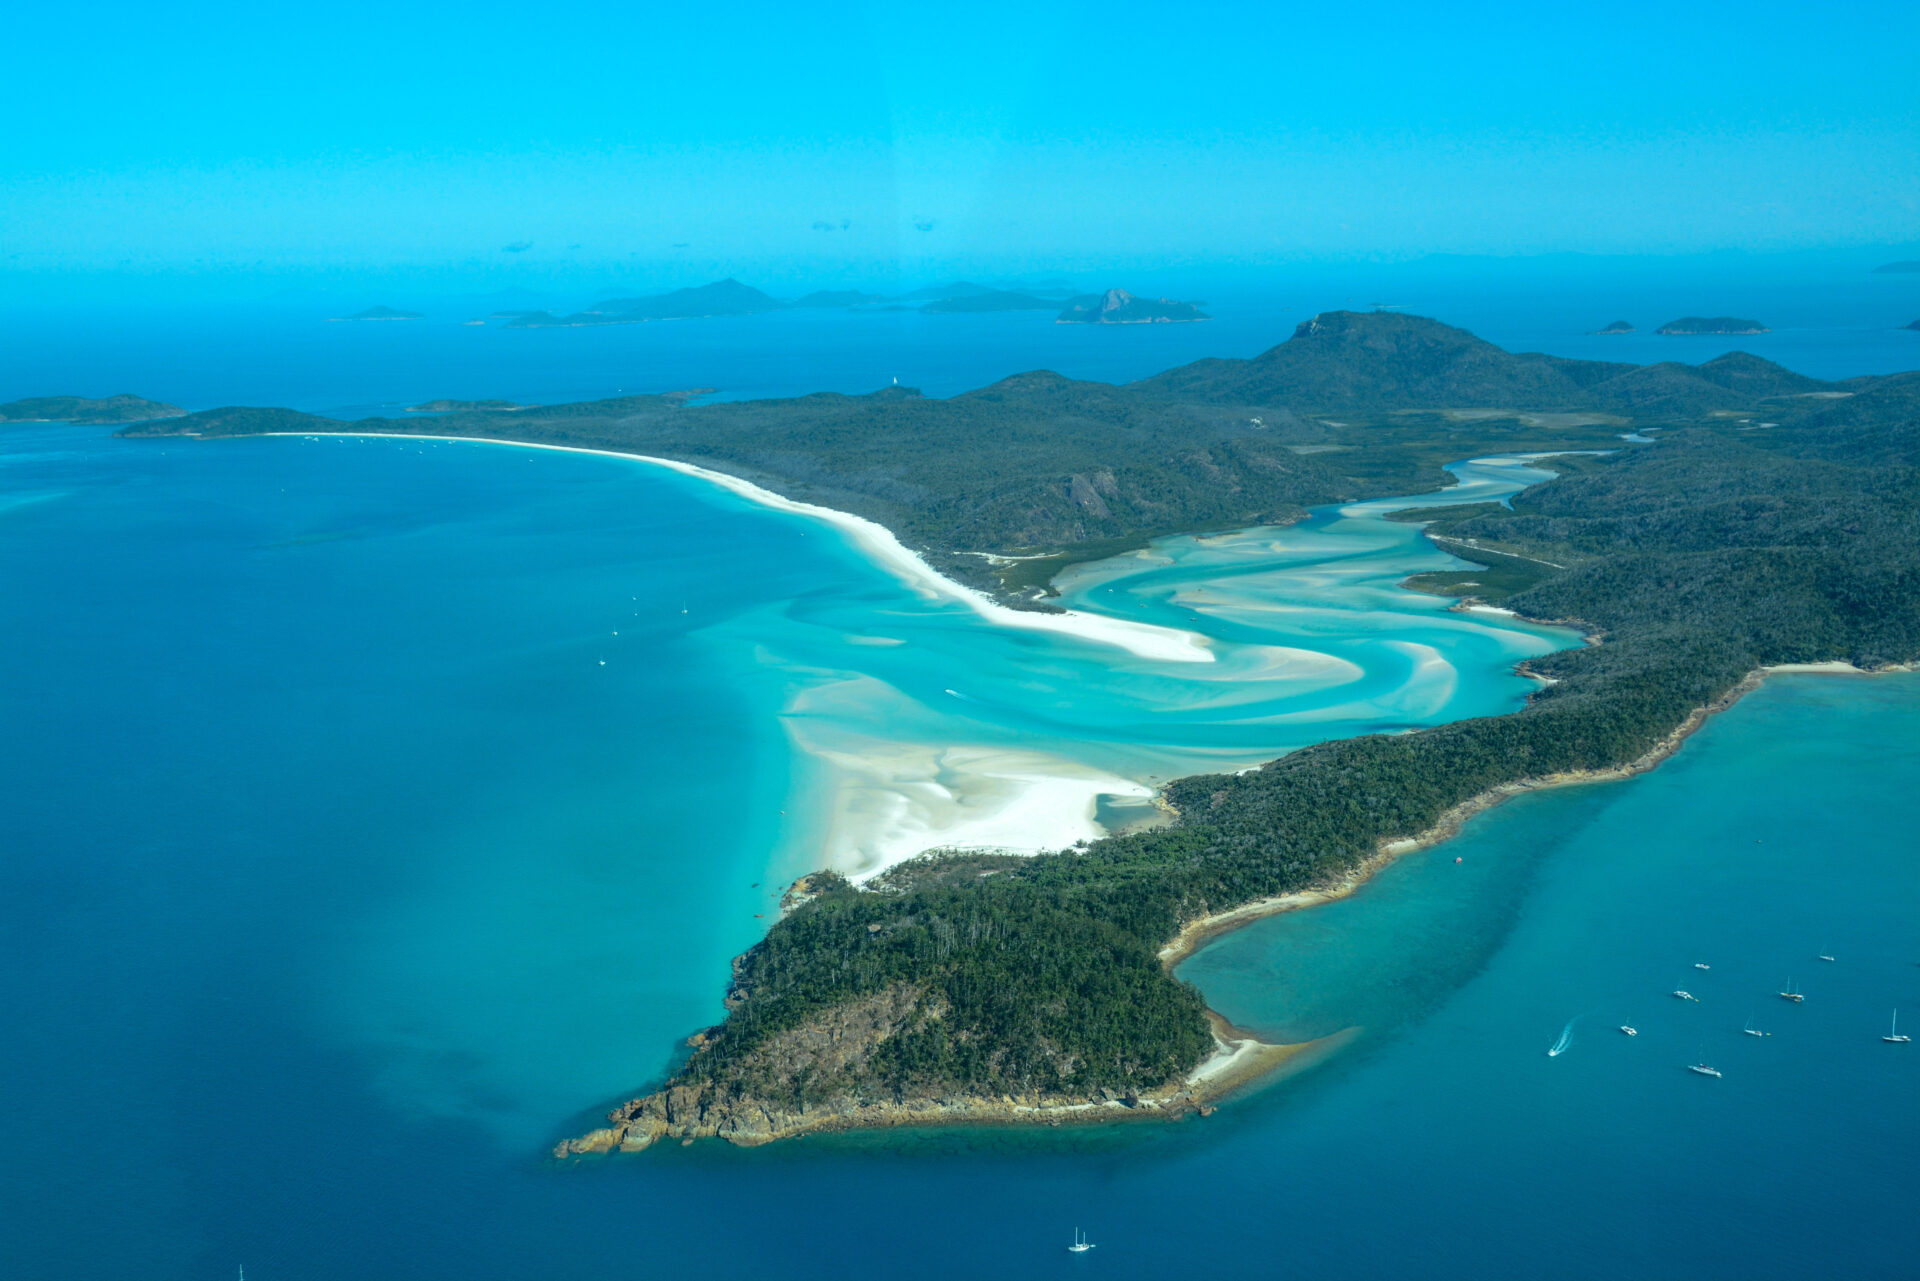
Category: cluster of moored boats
<point>1790,993</point>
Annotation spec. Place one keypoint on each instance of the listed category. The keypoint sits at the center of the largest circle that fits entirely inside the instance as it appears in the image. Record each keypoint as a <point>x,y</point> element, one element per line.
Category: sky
<point>850,143</point>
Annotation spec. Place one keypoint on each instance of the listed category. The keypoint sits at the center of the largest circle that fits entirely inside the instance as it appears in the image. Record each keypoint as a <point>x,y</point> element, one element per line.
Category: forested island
<point>1775,519</point>
<point>1617,327</point>
<point>87,412</point>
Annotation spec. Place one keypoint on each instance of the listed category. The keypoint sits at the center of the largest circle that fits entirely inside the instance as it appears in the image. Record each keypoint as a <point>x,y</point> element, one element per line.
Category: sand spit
<point>1144,640</point>
<point>893,800</point>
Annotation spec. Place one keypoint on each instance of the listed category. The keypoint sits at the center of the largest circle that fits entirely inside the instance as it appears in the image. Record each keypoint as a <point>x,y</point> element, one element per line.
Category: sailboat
<point>1701,1067</point>
<point>1826,956</point>
<point>1792,993</point>
<point>1893,1036</point>
<point>1750,1030</point>
<point>1630,1029</point>
<point>1684,995</point>
<point>1080,1244</point>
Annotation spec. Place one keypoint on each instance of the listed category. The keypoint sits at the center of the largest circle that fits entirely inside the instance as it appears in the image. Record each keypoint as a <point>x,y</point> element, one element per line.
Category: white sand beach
<point>1161,644</point>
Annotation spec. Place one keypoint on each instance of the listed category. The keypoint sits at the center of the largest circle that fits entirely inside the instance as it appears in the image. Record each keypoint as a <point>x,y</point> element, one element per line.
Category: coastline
<point>1202,930</point>
<point>882,545</point>
<point>1239,1061</point>
<point>895,800</point>
<point>1240,1058</point>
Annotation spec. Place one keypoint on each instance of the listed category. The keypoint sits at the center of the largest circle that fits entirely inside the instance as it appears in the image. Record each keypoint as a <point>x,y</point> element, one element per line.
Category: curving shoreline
<point>1144,640</point>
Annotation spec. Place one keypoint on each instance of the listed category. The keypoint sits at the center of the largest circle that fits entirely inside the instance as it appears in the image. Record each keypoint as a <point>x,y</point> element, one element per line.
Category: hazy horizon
<point>600,148</point>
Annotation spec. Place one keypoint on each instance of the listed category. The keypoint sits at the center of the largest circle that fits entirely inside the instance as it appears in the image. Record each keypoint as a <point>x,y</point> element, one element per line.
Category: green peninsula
<point>989,988</point>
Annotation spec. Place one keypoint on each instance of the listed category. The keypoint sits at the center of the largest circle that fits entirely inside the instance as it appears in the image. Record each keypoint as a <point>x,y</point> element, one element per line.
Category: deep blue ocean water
<point>340,879</point>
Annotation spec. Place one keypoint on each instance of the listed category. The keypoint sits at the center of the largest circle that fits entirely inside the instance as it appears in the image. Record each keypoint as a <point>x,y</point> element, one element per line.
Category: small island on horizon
<point>1698,326</point>
<point>1118,307</point>
<point>730,297</point>
<point>466,407</point>
<point>1617,327</point>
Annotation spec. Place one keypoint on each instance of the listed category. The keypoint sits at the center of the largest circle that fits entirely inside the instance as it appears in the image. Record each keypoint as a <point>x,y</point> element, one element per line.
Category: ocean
<point>382,811</point>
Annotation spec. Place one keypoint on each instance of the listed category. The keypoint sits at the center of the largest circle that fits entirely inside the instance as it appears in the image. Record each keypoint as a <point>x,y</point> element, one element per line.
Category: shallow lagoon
<point>344,878</point>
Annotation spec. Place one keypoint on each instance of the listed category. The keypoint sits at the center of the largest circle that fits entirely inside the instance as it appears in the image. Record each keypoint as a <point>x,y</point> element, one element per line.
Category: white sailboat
<point>1751,1030</point>
<point>1630,1029</point>
<point>1893,1036</point>
<point>1080,1244</point>
<point>1792,993</point>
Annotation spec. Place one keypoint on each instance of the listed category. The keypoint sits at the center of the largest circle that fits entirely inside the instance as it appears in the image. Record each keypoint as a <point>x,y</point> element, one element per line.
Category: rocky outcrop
<point>837,1046</point>
<point>1118,307</point>
<point>1086,494</point>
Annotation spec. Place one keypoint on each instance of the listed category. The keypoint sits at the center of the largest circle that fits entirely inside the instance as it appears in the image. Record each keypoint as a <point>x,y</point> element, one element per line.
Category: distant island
<point>1914,325</point>
<point>1617,327</point>
<point>86,412</point>
<point>961,297</point>
<point>380,313</point>
<point>1906,267</point>
<point>1694,326</point>
<point>1118,307</point>
<point>989,300</point>
<point>466,407</point>
<point>721,298</point>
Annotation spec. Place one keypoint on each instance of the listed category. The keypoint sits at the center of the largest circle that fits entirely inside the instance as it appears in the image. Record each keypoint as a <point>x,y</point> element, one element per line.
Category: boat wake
<point>1561,1046</point>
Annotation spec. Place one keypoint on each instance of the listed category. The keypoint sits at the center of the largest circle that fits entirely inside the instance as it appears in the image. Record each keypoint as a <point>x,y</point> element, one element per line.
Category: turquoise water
<point>352,858</point>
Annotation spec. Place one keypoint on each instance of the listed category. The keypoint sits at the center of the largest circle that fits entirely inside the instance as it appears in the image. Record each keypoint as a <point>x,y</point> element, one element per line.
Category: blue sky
<point>866,141</point>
